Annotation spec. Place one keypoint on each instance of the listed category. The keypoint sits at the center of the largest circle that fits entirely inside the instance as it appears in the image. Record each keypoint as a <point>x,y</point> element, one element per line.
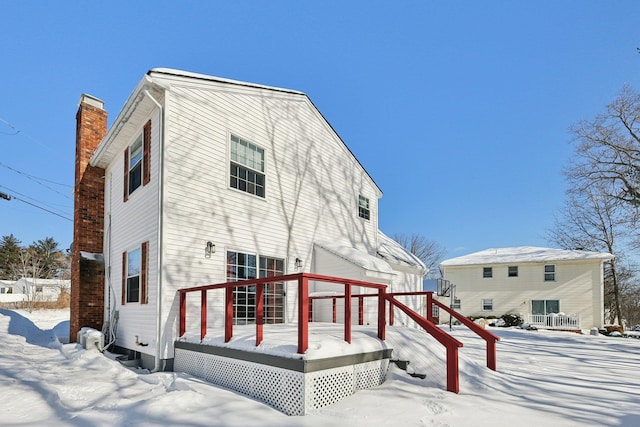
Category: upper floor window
<point>363,207</point>
<point>487,272</point>
<point>135,164</point>
<point>549,273</point>
<point>513,271</point>
<point>247,167</point>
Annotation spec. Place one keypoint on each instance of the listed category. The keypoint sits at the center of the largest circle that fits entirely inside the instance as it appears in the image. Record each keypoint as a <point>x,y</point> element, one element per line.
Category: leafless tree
<point>428,251</point>
<point>608,148</point>
<point>593,219</point>
<point>29,266</point>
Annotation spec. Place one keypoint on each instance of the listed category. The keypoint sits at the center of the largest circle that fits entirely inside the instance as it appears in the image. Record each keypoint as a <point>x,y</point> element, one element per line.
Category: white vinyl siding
<point>134,221</point>
<point>313,181</point>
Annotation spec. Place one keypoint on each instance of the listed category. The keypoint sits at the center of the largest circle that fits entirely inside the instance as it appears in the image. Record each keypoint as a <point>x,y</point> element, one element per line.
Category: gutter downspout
<point>160,232</point>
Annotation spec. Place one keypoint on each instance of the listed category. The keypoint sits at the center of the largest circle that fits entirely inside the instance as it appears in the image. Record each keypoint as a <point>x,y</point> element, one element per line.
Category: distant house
<point>549,287</point>
<point>30,289</point>
<point>205,180</point>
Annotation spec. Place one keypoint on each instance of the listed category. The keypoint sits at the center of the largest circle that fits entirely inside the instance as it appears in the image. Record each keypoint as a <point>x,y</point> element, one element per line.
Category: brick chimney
<point>87,275</point>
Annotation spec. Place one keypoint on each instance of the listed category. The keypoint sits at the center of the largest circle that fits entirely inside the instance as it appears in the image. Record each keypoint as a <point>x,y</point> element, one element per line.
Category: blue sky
<point>459,110</point>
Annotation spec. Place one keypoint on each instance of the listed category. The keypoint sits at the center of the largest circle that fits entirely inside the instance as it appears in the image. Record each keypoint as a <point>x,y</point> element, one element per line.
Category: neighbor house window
<point>513,271</point>
<point>242,266</point>
<point>135,165</point>
<point>487,304</point>
<point>487,272</point>
<point>363,207</point>
<point>247,167</point>
<point>549,273</point>
<point>134,275</point>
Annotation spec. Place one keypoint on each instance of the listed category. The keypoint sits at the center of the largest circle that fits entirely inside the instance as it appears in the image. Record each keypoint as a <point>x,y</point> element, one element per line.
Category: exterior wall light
<point>298,264</point>
<point>209,249</point>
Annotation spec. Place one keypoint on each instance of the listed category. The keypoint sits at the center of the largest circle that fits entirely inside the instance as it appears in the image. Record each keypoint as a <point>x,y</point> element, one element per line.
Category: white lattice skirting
<point>290,391</point>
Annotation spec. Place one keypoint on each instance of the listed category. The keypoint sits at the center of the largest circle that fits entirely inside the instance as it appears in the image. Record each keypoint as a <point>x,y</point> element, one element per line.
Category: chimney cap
<point>91,100</point>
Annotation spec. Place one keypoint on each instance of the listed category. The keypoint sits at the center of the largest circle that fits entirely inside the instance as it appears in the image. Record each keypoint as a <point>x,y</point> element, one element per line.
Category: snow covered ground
<point>544,378</point>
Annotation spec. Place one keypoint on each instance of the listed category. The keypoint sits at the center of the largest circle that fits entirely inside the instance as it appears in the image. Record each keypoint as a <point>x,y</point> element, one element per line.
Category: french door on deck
<point>242,266</point>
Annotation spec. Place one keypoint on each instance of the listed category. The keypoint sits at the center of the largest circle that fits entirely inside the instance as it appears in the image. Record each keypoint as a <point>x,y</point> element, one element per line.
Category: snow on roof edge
<point>523,254</point>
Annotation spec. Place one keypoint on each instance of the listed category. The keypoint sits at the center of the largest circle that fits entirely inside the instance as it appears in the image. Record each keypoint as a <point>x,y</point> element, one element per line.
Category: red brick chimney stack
<point>87,276</point>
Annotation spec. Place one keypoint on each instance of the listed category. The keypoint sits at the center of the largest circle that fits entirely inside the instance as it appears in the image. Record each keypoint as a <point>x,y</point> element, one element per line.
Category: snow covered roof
<point>357,257</point>
<point>392,251</point>
<point>522,254</point>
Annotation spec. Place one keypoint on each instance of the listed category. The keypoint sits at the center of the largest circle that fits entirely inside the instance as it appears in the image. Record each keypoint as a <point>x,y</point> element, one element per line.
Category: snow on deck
<point>325,340</point>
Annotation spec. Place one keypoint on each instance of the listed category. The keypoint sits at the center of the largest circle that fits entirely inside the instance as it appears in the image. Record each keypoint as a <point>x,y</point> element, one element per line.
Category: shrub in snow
<point>511,319</point>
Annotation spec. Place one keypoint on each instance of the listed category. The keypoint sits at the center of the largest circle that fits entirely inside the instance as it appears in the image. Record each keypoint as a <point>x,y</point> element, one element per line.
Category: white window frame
<point>136,255</point>
<point>550,273</point>
<point>487,304</point>
<point>486,270</point>
<point>364,207</point>
<point>244,296</point>
<point>247,165</point>
<point>135,168</point>
<point>515,271</point>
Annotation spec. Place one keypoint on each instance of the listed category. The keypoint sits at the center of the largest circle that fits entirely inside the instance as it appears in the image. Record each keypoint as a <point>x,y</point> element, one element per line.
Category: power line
<point>33,177</point>
<point>12,196</point>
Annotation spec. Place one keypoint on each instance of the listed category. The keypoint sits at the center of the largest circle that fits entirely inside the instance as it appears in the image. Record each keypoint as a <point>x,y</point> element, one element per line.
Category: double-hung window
<point>135,164</point>
<point>549,273</point>
<point>487,272</point>
<point>487,304</point>
<point>133,276</point>
<point>247,167</point>
<point>363,207</point>
<point>513,271</point>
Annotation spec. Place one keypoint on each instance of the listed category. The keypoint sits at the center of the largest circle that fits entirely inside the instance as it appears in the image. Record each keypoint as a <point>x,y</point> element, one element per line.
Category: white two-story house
<point>536,283</point>
<point>203,180</point>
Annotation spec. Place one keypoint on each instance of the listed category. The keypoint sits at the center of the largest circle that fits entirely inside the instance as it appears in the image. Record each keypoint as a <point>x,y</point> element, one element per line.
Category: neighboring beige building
<point>553,288</point>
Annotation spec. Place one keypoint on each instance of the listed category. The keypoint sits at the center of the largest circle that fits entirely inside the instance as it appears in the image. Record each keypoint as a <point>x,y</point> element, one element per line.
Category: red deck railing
<point>305,314</point>
<point>302,280</point>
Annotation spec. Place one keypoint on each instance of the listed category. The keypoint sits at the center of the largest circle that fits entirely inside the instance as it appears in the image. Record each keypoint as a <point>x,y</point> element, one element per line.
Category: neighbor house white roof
<point>522,254</point>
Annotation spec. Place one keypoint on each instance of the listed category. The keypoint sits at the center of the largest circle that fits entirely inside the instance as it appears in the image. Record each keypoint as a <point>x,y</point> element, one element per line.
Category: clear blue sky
<point>459,110</point>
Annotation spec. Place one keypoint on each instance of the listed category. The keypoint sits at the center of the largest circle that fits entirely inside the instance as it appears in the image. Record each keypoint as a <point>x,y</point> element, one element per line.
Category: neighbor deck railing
<point>554,321</point>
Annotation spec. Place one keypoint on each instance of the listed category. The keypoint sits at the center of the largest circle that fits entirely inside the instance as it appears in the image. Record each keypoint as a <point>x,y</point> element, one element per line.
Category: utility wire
<point>38,180</point>
<point>34,177</point>
<point>12,196</point>
<point>17,131</point>
<point>40,207</point>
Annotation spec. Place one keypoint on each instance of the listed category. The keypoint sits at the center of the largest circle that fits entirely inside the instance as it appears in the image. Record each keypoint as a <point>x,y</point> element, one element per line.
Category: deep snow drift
<point>543,378</point>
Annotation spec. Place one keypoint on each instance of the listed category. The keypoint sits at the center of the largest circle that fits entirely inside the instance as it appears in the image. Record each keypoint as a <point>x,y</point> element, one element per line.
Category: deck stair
<point>404,365</point>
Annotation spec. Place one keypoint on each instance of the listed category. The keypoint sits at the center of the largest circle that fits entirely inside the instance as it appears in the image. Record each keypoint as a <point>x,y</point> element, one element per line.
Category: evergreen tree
<point>9,255</point>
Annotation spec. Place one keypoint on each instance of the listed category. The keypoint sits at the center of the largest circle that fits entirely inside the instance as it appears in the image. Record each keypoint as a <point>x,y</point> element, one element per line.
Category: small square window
<point>487,272</point>
<point>513,271</point>
<point>549,273</point>
<point>363,207</point>
<point>487,304</point>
